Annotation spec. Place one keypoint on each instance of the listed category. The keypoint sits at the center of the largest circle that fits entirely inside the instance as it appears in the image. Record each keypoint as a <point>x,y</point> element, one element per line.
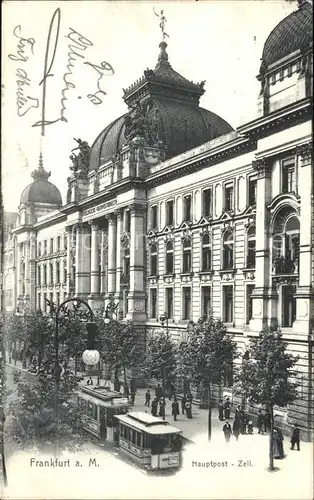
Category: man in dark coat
<point>158,392</point>
<point>147,397</point>
<point>220,410</point>
<point>280,438</point>
<point>227,431</point>
<point>237,414</point>
<point>175,409</point>
<point>243,420</point>
<point>260,422</point>
<point>227,408</point>
<point>154,407</point>
<point>295,437</point>
<point>162,408</point>
<point>133,392</point>
<point>236,428</point>
<point>188,409</point>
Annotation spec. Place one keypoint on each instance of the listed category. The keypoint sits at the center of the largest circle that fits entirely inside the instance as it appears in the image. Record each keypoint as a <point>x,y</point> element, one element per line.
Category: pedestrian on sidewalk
<point>227,408</point>
<point>260,422</point>
<point>158,392</point>
<point>250,427</point>
<point>154,407</point>
<point>162,408</point>
<point>175,409</point>
<point>189,397</point>
<point>295,437</point>
<point>221,410</point>
<point>227,431</point>
<point>237,414</point>
<point>188,409</point>
<point>279,438</point>
<point>147,397</point>
<point>183,403</point>
<point>133,392</point>
<point>236,429</point>
<point>126,391</point>
<point>243,420</point>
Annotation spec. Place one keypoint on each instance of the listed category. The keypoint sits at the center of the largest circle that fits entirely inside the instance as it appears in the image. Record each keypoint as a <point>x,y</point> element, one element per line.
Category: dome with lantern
<point>41,190</point>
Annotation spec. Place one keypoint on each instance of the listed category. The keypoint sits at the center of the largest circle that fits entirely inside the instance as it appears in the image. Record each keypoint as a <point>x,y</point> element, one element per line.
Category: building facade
<point>171,210</point>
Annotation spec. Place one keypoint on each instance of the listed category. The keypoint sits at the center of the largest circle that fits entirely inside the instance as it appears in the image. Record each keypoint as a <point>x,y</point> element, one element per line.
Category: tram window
<point>90,409</point>
<point>134,436</point>
<point>125,433</point>
<point>138,439</point>
<point>83,406</point>
<point>147,441</point>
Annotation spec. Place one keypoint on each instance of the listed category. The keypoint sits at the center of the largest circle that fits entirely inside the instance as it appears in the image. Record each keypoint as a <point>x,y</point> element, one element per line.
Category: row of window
<point>41,300</point>
<point>207,204</point>
<point>49,246</point>
<point>288,303</point>
<point>288,185</point>
<point>54,273</point>
<point>206,253</point>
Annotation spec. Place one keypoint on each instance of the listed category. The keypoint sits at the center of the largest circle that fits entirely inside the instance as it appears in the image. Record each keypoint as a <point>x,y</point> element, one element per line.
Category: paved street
<point>210,470</point>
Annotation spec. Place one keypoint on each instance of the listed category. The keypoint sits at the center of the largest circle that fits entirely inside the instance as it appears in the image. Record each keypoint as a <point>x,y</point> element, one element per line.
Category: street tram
<point>149,441</point>
<point>100,406</point>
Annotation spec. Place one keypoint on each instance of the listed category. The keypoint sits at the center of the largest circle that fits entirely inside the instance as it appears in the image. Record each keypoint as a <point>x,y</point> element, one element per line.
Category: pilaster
<point>137,295</point>
<point>261,294</point>
<point>94,297</point>
<point>112,254</point>
<point>82,258</point>
<point>305,293</point>
<point>103,262</point>
<point>68,276</point>
<point>120,223</point>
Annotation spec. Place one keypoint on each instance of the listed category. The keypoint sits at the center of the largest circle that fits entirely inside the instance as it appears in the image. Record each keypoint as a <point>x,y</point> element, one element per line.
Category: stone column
<point>18,269</point>
<point>32,271</point>
<point>112,238</point>
<point>260,296</point>
<point>82,258</point>
<point>103,262</point>
<point>305,292</point>
<point>120,223</point>
<point>68,261</point>
<point>137,295</point>
<point>94,297</point>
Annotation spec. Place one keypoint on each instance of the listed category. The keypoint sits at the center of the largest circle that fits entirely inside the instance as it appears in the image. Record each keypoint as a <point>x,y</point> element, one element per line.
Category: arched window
<point>44,274</point>
<point>228,250</point>
<point>187,255</point>
<point>206,253</point>
<point>169,258</point>
<point>251,247</point>
<point>51,273</point>
<point>153,260</point>
<point>285,243</point>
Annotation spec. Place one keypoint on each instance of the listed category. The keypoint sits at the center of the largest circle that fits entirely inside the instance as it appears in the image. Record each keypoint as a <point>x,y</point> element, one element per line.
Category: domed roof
<point>41,190</point>
<point>172,102</point>
<point>292,33</point>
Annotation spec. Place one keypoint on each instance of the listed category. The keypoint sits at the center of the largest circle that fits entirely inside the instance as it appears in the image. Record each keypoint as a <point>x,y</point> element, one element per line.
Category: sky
<point>218,41</point>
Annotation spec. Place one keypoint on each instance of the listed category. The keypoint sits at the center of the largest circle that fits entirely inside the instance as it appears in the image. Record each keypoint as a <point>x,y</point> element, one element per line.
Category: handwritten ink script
<point>77,47</point>
<point>25,49</point>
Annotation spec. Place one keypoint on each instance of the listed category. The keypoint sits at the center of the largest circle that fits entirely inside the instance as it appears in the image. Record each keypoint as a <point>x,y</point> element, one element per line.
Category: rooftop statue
<point>80,161</point>
<point>139,124</point>
<point>162,23</point>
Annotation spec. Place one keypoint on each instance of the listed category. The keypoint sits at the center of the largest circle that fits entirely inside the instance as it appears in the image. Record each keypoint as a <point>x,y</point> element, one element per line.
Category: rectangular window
<point>207,202</point>
<point>39,249</point>
<point>229,197</point>
<point>187,208</point>
<point>51,297</point>
<point>186,302</point>
<point>252,192</point>
<point>169,302</point>
<point>288,305</point>
<point>45,246</point>
<point>59,243</point>
<point>38,301</point>
<point>38,276</point>
<point>153,303</point>
<point>51,245</point>
<point>170,213</point>
<point>288,175</point>
<point>127,221</point>
<point>228,304</point>
<point>45,303</point>
<point>58,298</point>
<point>153,215</point>
<point>249,303</point>
<point>206,301</point>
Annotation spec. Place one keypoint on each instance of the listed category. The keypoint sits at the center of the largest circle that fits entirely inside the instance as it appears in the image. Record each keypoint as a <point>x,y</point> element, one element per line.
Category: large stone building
<point>171,210</point>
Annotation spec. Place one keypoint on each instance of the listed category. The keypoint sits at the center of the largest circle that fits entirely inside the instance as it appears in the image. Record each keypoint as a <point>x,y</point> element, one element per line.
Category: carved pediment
<point>227,215</point>
<point>204,221</point>
<point>185,226</point>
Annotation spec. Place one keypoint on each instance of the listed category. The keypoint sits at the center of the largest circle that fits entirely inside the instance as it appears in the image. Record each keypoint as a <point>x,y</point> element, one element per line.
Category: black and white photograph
<point>157,250</point>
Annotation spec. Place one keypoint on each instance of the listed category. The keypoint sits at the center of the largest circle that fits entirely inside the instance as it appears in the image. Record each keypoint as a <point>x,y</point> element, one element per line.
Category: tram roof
<point>100,392</point>
<point>147,423</point>
<point>112,400</point>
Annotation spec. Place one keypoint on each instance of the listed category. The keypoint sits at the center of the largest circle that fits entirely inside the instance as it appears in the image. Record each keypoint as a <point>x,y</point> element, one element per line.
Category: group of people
<point>158,404</point>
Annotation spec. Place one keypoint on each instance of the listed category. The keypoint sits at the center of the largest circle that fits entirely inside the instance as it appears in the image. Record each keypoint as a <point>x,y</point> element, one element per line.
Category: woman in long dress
<point>276,453</point>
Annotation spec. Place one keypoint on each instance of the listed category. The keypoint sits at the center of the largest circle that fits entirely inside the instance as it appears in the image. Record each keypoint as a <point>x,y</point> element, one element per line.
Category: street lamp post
<point>164,320</point>
<point>90,356</point>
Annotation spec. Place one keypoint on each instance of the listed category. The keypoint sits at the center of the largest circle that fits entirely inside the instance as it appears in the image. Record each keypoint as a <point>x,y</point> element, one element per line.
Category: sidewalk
<point>191,428</point>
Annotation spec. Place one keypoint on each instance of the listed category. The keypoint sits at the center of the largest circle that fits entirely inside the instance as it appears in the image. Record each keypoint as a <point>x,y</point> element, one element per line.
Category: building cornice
<point>278,120</point>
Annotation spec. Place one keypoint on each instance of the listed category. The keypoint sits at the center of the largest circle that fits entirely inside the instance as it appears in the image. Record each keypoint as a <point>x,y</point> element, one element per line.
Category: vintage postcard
<point>157,261</point>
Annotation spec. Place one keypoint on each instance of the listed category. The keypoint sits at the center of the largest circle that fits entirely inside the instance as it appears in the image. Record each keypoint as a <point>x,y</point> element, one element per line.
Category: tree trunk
<point>271,435</point>
<point>209,412</point>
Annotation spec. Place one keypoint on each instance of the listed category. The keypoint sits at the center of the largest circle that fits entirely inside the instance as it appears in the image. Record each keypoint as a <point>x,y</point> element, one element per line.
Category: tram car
<point>149,441</point>
<point>100,406</point>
